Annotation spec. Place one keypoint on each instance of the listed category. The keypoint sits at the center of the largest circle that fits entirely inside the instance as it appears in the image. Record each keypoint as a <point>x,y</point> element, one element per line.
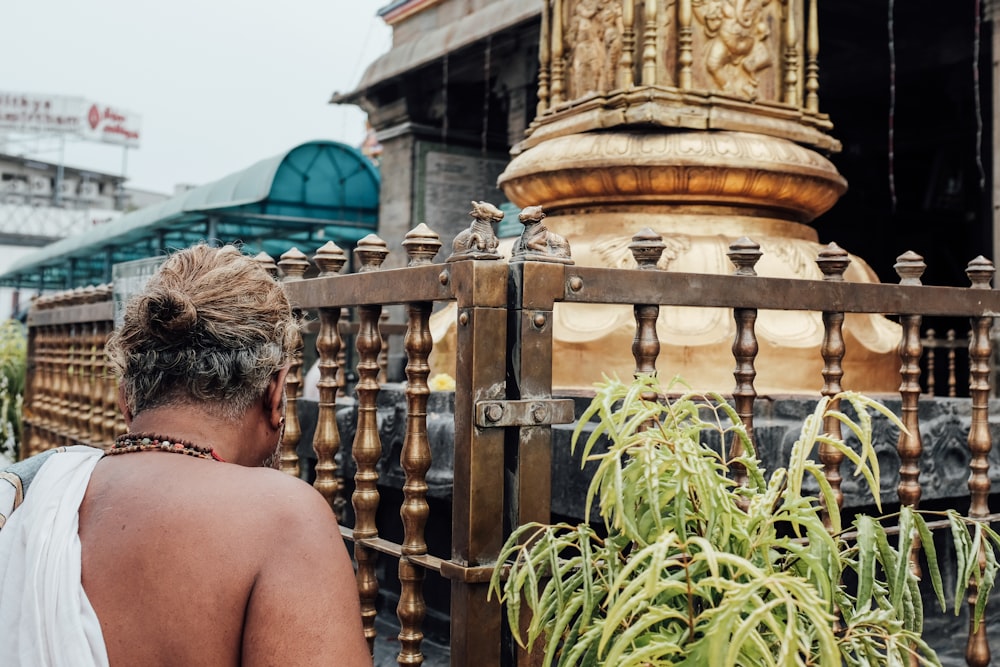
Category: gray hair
<point>212,327</point>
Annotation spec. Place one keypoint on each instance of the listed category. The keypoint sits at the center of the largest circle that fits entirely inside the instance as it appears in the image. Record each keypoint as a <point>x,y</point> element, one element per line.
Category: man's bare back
<point>195,562</point>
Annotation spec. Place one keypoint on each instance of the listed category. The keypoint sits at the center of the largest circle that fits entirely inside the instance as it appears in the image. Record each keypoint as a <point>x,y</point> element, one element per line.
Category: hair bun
<point>168,315</point>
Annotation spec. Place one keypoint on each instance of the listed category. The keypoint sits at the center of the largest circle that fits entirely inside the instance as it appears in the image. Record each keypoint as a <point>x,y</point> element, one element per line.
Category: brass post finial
<point>909,267</point>
<point>293,264</point>
<point>833,261</point>
<point>647,247</point>
<point>421,244</point>
<point>371,252</point>
<point>744,253</point>
<point>267,262</point>
<point>330,259</point>
<point>980,272</point>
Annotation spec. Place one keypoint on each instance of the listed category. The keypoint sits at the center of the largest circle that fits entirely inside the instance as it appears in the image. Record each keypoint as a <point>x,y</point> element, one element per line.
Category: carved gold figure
<point>736,49</point>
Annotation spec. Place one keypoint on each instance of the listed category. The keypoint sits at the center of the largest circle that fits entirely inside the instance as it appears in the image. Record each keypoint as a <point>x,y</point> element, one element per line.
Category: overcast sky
<point>219,84</point>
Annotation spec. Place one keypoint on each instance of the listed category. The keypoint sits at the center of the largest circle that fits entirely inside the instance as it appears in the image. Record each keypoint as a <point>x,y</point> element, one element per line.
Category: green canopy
<point>317,192</point>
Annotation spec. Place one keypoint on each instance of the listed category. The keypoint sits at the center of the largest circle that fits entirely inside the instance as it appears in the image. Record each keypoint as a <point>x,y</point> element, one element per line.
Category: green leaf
<point>866,560</point>
<point>930,552</point>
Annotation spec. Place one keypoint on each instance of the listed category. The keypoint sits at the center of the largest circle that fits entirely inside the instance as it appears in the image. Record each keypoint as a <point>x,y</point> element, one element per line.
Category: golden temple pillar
<point>700,120</point>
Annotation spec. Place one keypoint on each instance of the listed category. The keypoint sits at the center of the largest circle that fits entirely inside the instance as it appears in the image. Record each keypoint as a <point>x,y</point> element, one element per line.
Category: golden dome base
<point>700,190</point>
<point>696,343</point>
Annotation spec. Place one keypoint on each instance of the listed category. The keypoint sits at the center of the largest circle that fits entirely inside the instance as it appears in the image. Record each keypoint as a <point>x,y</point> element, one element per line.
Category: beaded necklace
<point>144,442</point>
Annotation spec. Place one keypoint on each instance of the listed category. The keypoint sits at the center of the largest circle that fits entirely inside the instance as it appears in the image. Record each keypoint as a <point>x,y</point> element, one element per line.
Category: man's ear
<point>123,407</point>
<point>274,403</point>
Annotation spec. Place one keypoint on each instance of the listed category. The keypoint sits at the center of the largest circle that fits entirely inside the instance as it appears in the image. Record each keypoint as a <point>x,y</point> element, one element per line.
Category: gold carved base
<point>696,343</point>
<point>700,191</point>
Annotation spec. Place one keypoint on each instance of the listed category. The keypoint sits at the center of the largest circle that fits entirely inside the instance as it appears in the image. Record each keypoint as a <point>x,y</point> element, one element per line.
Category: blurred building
<point>42,202</point>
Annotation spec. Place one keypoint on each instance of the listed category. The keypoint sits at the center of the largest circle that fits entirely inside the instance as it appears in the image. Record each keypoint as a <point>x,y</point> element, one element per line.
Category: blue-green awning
<point>317,192</point>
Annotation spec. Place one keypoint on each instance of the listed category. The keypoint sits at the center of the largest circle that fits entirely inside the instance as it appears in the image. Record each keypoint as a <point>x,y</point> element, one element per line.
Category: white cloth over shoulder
<point>45,616</point>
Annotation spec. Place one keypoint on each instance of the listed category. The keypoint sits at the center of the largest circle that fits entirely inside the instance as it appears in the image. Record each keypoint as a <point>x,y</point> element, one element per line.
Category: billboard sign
<point>76,116</point>
<point>111,125</point>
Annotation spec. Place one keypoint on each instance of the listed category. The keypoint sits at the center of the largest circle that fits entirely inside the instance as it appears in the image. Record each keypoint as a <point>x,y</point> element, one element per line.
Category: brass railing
<point>504,318</point>
<point>504,403</point>
<point>70,397</point>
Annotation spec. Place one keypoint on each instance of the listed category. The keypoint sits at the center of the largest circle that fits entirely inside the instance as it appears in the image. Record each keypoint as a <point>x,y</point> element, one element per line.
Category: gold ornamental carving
<point>748,65</point>
<point>734,169</point>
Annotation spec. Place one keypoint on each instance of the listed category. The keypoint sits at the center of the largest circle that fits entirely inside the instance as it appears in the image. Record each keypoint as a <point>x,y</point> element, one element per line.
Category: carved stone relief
<point>587,43</point>
<point>737,43</point>
<point>610,17</point>
<point>594,36</point>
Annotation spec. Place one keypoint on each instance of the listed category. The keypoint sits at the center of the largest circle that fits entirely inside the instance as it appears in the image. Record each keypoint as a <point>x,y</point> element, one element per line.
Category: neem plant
<point>695,570</point>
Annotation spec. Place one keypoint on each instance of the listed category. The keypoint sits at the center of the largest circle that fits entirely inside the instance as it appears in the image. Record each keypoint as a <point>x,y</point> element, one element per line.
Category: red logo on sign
<point>93,116</point>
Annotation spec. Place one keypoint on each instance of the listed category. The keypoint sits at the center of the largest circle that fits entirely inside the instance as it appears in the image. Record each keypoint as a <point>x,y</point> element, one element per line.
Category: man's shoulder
<point>268,493</point>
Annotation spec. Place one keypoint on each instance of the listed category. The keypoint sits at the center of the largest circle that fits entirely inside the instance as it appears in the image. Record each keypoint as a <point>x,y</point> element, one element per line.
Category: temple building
<point>794,124</point>
<point>907,88</point>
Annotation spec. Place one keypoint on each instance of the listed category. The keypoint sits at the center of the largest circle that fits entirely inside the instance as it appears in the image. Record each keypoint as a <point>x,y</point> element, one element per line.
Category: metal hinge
<point>530,412</point>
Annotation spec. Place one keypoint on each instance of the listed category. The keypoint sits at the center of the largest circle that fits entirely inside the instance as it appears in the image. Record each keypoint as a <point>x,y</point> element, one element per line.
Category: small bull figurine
<point>480,240</point>
<point>537,242</point>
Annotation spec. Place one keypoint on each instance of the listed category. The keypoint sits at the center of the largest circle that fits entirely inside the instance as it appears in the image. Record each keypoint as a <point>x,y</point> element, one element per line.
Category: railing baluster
<point>74,354</point>
<point>980,272</point>
<point>78,401</point>
<point>293,265</point>
<point>952,380</point>
<point>910,267</point>
<point>647,247</point>
<point>650,45</point>
<point>32,389</point>
<point>626,75</point>
<point>345,316</point>
<point>415,458</point>
<point>326,441</point>
<point>371,252</point>
<point>685,50</point>
<point>791,60</point>
<point>544,60</point>
<point>54,383</point>
<point>744,254</point>
<point>558,74</point>
<point>101,381</point>
<point>88,367</point>
<point>37,412</point>
<point>812,59</point>
<point>383,355</point>
<point>62,386</point>
<point>109,405</point>
<point>832,261</point>
<point>930,344</point>
<point>89,380</point>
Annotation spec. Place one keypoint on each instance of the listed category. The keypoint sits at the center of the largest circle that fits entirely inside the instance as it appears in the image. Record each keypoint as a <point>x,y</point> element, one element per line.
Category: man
<point>179,546</point>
